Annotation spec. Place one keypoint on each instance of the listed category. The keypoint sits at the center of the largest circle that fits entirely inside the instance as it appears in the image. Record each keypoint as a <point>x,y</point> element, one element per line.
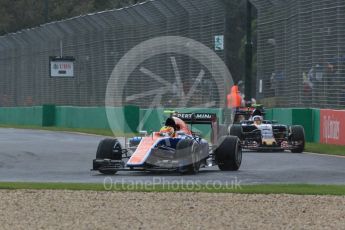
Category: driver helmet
<point>167,131</point>
<point>257,120</point>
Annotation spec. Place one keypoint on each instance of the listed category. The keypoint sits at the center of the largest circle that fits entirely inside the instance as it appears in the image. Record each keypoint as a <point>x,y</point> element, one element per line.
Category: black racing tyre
<point>229,153</point>
<point>109,149</point>
<point>237,131</point>
<point>298,134</point>
<point>188,153</point>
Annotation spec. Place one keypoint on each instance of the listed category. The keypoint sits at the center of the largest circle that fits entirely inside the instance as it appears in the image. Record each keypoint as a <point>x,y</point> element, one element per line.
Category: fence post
<point>48,115</point>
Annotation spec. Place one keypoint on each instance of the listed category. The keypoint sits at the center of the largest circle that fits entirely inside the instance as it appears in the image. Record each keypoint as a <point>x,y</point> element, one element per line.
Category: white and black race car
<point>262,135</point>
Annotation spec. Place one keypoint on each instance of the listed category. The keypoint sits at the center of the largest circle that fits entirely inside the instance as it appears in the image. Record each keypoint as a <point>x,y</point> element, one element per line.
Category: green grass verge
<point>325,149</point>
<point>297,189</point>
<point>102,132</point>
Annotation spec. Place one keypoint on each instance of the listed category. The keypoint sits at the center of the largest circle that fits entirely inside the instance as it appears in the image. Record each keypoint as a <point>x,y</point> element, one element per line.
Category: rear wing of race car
<point>248,112</point>
<point>201,118</point>
<point>197,118</point>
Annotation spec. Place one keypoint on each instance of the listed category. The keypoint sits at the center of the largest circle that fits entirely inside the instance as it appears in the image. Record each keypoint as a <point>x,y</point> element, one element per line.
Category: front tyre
<point>188,154</point>
<point>297,139</point>
<point>109,149</point>
<point>229,153</point>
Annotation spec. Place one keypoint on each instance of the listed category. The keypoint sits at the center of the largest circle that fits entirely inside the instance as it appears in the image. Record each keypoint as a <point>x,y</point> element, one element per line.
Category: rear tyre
<point>188,154</point>
<point>237,131</point>
<point>298,135</point>
<point>229,153</point>
<point>109,149</point>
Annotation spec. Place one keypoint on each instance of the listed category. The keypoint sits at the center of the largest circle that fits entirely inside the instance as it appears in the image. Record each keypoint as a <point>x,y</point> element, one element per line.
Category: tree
<point>235,31</point>
<point>16,15</point>
<point>21,14</point>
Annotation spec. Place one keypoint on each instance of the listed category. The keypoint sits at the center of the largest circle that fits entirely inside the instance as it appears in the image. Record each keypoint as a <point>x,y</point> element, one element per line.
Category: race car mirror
<point>180,133</point>
<point>143,133</point>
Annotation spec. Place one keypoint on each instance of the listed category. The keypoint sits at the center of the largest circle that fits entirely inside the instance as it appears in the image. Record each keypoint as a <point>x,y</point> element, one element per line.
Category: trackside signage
<point>61,67</point>
<point>332,127</point>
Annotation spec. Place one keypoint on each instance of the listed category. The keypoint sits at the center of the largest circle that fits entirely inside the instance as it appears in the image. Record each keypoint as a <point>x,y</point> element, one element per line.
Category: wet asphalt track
<point>43,156</point>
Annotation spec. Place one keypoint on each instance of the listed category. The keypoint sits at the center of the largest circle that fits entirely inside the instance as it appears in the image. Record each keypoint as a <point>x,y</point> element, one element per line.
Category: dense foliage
<point>20,14</point>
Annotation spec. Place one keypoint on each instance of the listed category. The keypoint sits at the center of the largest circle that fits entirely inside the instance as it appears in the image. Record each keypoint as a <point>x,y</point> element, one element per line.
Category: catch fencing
<point>97,42</point>
<point>301,52</point>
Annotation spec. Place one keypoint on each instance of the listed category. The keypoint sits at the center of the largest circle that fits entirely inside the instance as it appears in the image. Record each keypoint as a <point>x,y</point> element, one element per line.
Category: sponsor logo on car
<point>197,116</point>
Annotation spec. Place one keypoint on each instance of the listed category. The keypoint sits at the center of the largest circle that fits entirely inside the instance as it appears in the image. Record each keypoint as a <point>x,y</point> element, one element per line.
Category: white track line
<point>325,155</point>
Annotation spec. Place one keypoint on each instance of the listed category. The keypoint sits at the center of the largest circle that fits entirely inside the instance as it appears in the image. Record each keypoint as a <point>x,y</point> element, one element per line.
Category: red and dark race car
<point>173,148</point>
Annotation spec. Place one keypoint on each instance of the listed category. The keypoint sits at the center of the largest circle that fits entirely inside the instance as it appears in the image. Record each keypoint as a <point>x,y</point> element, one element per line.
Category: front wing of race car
<point>107,165</point>
<point>277,145</point>
<point>254,147</point>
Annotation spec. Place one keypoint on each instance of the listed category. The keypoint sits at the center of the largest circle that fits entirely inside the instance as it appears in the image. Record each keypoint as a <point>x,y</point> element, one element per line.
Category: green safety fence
<point>131,119</point>
<point>123,119</point>
<point>81,117</point>
<point>71,117</point>
<point>316,125</point>
<point>21,115</point>
<point>308,118</point>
